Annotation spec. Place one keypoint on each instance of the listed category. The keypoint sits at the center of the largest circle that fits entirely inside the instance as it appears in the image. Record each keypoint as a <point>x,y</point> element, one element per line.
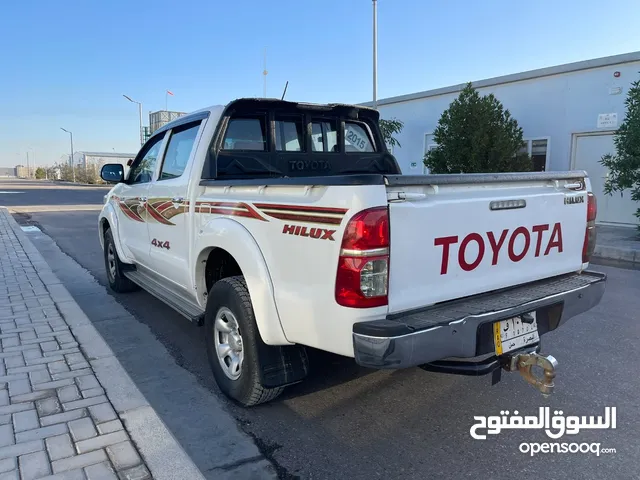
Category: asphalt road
<point>354,423</point>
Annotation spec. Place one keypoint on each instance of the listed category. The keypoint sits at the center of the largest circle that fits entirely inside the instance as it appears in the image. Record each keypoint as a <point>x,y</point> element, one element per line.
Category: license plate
<point>513,333</point>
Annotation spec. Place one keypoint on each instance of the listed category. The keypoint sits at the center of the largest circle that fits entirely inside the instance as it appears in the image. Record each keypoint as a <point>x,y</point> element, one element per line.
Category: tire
<point>229,301</point>
<point>115,268</point>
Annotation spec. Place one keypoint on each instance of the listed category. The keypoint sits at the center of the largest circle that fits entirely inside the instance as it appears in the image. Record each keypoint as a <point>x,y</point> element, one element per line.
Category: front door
<point>168,206</point>
<point>615,209</point>
<point>131,198</point>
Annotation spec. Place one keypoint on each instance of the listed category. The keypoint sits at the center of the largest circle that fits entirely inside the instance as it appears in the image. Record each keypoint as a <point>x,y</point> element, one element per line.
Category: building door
<point>613,209</point>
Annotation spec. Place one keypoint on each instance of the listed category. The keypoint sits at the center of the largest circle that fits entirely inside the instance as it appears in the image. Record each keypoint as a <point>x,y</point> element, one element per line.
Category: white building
<point>568,113</point>
<point>100,158</point>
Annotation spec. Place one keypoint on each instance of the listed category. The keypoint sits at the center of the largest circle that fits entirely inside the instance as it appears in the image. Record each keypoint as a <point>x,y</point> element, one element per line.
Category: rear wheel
<point>115,268</point>
<point>232,340</point>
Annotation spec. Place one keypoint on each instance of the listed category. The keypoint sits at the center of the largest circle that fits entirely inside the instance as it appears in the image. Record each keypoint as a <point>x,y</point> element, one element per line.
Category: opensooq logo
<point>555,426</point>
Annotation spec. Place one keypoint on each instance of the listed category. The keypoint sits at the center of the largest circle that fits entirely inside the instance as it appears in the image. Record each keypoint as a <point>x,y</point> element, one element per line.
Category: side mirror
<point>112,173</point>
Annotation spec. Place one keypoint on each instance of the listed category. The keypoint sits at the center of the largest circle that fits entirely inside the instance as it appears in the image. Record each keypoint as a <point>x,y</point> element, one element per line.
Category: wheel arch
<point>109,220</point>
<point>228,246</point>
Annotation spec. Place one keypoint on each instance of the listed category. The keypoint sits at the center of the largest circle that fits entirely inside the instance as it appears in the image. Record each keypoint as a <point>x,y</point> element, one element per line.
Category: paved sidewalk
<point>68,410</point>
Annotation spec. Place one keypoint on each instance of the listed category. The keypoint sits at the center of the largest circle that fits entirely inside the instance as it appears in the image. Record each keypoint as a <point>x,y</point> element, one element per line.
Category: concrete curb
<point>163,455</point>
<point>617,254</point>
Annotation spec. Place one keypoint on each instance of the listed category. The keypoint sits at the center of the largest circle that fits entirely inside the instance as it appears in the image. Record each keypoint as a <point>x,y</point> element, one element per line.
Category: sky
<point>68,63</point>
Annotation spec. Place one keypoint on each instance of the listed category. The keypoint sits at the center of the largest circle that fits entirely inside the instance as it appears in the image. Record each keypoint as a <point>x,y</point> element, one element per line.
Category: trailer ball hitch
<point>524,362</point>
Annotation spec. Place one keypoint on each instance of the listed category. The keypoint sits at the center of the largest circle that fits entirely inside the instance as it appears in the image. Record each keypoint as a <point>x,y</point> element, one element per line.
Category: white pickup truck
<point>280,226</point>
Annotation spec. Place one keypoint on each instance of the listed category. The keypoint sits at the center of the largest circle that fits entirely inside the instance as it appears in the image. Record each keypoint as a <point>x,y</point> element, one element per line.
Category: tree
<point>389,128</point>
<point>477,135</point>
<point>40,173</point>
<point>624,166</point>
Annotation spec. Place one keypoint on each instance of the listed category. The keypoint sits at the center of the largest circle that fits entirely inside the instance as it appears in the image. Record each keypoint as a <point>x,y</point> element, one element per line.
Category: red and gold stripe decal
<point>162,210</point>
<point>157,215</point>
<point>126,207</point>
<point>238,209</point>
<point>300,213</point>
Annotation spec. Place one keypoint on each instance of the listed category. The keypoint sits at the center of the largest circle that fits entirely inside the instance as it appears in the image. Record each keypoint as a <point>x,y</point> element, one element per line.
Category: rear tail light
<point>590,233</point>
<point>363,267</point>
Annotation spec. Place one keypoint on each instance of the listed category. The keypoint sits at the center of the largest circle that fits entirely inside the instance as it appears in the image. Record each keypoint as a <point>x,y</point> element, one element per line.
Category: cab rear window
<point>245,134</point>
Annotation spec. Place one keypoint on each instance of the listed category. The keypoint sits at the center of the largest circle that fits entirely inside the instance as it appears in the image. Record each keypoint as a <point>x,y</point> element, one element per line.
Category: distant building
<point>100,158</point>
<point>569,114</point>
<point>8,172</point>
<point>161,118</point>
<point>21,171</point>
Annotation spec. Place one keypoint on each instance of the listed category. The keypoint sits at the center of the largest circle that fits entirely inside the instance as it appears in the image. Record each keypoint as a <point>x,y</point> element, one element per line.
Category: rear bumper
<point>461,329</point>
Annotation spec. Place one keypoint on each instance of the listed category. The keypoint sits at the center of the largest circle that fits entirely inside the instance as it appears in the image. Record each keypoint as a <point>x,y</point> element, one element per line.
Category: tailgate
<point>458,235</point>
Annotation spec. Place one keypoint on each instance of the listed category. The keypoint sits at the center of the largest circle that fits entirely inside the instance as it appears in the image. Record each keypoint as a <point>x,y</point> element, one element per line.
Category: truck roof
<point>215,111</point>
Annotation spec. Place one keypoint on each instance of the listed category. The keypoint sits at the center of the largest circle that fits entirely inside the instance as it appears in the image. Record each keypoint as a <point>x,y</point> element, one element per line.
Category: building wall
<point>555,106</point>
<point>8,171</point>
<point>100,161</point>
<point>21,171</point>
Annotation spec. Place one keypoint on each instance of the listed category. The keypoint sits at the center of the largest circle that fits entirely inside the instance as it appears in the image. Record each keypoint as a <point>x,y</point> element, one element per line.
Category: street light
<point>73,169</point>
<point>140,112</point>
<point>33,161</point>
<point>375,54</point>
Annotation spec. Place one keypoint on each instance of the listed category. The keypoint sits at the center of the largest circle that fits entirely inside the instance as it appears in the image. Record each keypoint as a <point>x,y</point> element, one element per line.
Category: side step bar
<point>179,303</point>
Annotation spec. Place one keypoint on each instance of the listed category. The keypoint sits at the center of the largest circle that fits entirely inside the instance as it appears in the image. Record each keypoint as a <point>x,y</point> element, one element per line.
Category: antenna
<point>285,89</point>
<point>264,73</point>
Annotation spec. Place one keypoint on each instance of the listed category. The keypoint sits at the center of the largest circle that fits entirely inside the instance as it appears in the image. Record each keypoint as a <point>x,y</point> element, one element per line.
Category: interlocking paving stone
<point>82,429</point>
<point>60,446</point>
<point>79,461</point>
<point>21,449</point>
<point>63,417</point>
<point>56,421</point>
<point>27,420</point>
<point>100,471</point>
<point>34,465</point>
<point>108,427</point>
<point>101,441</point>
<point>41,433</point>
<point>103,412</point>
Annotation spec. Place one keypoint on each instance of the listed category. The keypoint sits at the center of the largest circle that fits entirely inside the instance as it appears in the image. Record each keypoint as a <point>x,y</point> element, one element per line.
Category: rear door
<point>452,241</point>
<point>131,199</point>
<point>168,205</point>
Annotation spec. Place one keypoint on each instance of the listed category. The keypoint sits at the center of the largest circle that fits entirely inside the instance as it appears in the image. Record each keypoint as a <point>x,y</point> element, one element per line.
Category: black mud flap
<point>282,365</point>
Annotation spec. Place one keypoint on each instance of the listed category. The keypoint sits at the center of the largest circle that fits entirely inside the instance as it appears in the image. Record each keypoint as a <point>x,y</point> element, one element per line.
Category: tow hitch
<point>524,363</point>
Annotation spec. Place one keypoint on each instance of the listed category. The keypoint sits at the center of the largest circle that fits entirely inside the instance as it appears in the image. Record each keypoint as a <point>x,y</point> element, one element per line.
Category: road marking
<point>9,191</point>
<point>30,228</point>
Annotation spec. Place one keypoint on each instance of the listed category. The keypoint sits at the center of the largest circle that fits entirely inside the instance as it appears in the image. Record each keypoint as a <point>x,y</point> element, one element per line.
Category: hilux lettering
<point>321,233</point>
<point>573,200</point>
<point>497,244</point>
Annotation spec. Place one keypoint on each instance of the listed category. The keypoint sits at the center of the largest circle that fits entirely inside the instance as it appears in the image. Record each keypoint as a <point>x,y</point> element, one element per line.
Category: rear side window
<point>356,138</point>
<point>324,136</point>
<point>289,136</point>
<point>246,134</point>
<point>179,150</point>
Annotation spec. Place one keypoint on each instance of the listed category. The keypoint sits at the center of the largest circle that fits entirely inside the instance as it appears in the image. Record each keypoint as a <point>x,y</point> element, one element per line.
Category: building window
<point>538,150</point>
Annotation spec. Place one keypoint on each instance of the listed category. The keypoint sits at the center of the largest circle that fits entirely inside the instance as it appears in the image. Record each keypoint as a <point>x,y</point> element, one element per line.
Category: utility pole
<point>375,54</point>
<point>28,168</point>
<point>140,113</point>
<point>73,168</point>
